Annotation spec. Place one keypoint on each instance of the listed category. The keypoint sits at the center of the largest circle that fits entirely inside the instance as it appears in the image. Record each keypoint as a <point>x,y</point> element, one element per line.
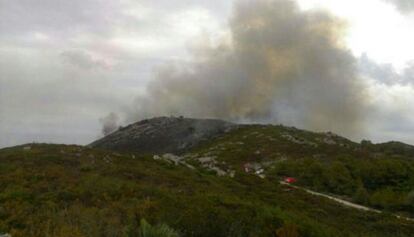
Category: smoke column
<point>109,123</point>
<point>279,64</point>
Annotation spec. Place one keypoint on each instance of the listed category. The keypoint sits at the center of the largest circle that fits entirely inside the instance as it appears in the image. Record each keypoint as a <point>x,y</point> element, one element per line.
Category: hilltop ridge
<point>163,134</point>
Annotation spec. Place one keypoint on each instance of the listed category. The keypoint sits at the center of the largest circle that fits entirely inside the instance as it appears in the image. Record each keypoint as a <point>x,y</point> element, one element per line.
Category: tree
<point>339,179</point>
<point>366,143</point>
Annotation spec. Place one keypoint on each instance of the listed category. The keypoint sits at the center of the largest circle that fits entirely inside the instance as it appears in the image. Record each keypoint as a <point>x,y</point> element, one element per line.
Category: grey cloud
<point>218,8</point>
<point>83,60</point>
<point>405,6</point>
<point>58,16</point>
<point>48,92</point>
<point>385,73</point>
<point>67,20</point>
<point>408,75</point>
<point>389,114</point>
<point>389,117</point>
<point>44,100</point>
<point>283,65</point>
<point>390,124</point>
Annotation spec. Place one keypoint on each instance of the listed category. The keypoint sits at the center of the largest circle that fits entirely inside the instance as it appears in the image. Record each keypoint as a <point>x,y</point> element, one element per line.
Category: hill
<point>60,190</point>
<point>377,175</point>
<point>224,182</point>
<point>163,134</point>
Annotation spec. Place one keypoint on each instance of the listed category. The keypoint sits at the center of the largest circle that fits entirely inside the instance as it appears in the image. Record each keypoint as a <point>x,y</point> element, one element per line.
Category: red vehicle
<point>290,180</point>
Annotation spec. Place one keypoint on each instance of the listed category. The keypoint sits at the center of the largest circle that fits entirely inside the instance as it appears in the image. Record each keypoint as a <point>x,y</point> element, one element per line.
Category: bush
<point>161,230</point>
<point>361,195</point>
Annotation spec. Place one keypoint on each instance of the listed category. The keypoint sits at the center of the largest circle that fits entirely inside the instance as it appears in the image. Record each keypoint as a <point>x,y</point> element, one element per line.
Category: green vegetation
<point>381,183</point>
<point>62,191</point>
<point>56,190</point>
<point>147,230</point>
<point>378,175</point>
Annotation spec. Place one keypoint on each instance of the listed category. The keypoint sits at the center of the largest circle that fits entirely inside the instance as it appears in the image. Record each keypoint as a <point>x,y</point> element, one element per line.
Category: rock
<point>252,167</point>
<point>206,160</point>
<point>219,171</point>
<point>107,159</point>
<point>329,141</point>
<point>331,134</point>
<point>296,140</point>
<point>189,166</point>
<point>5,235</point>
<point>260,171</point>
<point>173,158</point>
<point>176,160</point>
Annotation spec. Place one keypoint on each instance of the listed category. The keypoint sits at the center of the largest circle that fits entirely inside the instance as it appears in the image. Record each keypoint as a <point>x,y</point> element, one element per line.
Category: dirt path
<point>342,202</point>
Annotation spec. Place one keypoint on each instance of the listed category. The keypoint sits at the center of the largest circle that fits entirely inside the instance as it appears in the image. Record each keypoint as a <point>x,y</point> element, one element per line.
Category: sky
<point>67,67</point>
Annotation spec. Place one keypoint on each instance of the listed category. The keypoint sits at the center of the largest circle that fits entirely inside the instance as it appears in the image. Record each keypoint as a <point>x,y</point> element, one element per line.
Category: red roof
<point>290,180</point>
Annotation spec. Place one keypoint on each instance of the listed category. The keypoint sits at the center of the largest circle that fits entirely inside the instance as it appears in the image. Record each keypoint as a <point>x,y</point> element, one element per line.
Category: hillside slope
<point>59,190</point>
<point>163,134</point>
<point>377,175</point>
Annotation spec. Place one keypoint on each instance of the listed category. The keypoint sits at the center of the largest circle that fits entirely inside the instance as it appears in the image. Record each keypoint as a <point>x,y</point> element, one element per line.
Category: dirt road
<point>341,201</point>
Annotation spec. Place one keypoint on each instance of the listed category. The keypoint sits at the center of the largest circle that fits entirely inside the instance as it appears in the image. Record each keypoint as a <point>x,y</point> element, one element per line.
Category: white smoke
<point>110,123</point>
<point>280,64</point>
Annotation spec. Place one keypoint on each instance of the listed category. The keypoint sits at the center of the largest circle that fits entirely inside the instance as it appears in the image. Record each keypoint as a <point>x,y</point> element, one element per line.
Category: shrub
<point>161,230</point>
<point>361,195</point>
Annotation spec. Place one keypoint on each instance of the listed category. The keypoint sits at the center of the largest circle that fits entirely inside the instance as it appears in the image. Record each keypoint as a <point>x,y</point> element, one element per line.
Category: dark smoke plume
<point>109,123</point>
<point>280,64</point>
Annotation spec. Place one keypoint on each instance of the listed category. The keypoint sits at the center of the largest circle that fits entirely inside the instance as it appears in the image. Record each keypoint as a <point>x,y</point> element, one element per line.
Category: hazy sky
<point>65,65</point>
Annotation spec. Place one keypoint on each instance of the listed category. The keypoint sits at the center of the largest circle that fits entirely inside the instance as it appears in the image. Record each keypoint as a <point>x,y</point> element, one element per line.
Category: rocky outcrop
<point>163,135</point>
